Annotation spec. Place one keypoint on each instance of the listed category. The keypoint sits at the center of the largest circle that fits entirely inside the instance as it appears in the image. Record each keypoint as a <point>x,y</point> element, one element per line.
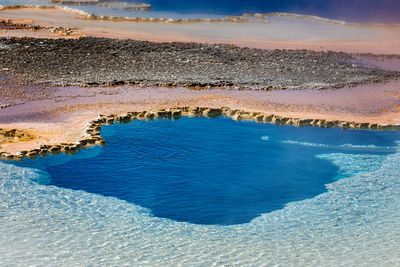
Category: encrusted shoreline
<point>10,25</point>
<point>92,133</point>
<point>246,17</point>
<point>88,16</point>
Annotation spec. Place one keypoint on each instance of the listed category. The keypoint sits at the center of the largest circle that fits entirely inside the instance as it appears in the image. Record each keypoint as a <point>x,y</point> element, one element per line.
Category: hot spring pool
<point>217,171</point>
<point>214,190</point>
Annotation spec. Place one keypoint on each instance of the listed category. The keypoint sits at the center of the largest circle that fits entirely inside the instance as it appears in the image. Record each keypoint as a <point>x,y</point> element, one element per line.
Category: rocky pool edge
<point>92,132</point>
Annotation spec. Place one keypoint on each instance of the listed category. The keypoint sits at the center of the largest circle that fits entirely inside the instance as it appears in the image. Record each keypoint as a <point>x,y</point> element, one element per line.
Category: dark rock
<point>77,62</point>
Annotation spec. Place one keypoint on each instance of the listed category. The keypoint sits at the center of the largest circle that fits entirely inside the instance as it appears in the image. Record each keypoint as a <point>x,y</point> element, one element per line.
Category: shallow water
<point>216,171</point>
<point>355,221</point>
<point>367,10</point>
<point>274,32</point>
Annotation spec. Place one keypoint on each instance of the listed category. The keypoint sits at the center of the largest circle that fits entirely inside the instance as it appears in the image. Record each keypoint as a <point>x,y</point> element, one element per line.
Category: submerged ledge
<point>92,134</point>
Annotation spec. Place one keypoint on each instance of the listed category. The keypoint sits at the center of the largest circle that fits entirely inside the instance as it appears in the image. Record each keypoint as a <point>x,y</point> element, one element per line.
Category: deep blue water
<point>211,171</point>
<point>353,11</point>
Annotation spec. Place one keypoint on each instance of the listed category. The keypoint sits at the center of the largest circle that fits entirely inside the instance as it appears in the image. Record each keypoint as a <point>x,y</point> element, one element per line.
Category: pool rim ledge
<point>92,132</point>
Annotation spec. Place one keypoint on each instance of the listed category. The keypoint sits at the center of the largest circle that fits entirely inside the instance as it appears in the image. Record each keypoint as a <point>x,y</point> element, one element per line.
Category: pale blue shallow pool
<point>204,191</point>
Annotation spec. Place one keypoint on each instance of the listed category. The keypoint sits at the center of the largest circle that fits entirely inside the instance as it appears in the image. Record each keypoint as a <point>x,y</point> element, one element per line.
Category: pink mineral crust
<point>63,116</point>
<point>57,115</point>
<point>269,33</point>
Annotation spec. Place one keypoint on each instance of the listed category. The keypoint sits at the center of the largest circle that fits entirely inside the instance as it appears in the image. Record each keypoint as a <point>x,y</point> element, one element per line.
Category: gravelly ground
<point>97,61</point>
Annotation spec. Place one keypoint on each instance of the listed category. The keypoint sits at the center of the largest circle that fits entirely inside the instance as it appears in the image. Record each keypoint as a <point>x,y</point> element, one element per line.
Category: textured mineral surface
<point>98,61</point>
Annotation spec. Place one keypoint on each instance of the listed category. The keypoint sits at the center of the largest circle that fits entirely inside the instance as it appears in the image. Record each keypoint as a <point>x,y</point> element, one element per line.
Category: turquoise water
<point>217,171</point>
<point>352,221</point>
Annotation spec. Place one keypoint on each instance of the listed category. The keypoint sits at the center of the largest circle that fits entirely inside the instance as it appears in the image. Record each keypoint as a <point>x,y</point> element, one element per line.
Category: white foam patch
<point>348,147</point>
<point>356,221</point>
<point>291,142</point>
<point>265,138</point>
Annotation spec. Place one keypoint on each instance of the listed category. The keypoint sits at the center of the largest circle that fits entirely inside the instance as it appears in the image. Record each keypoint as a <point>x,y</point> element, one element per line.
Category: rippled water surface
<point>207,191</point>
<point>216,171</point>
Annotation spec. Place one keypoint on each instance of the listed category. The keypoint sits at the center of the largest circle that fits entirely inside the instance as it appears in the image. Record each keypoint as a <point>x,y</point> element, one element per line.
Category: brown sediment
<point>14,136</point>
<point>18,25</point>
